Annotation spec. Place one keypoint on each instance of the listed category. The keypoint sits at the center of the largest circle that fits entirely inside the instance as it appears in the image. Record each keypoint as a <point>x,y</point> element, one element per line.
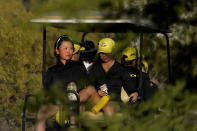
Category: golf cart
<point>98,25</point>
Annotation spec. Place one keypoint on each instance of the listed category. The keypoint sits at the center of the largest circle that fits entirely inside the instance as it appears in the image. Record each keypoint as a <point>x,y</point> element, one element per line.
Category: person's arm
<point>149,88</point>
<point>92,77</point>
<point>82,72</point>
<point>129,84</point>
<point>48,79</point>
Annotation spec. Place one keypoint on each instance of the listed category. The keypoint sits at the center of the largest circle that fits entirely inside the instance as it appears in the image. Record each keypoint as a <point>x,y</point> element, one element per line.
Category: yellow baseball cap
<point>77,48</point>
<point>106,45</point>
<point>130,52</point>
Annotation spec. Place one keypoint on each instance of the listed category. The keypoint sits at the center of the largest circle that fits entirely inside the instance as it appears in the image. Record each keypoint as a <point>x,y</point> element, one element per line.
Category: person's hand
<point>143,70</point>
<point>151,84</point>
<point>134,96</point>
<point>101,93</point>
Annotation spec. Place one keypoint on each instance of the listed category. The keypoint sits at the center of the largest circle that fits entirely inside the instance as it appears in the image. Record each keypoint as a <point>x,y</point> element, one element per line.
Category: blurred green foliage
<point>20,55</point>
<point>173,108</point>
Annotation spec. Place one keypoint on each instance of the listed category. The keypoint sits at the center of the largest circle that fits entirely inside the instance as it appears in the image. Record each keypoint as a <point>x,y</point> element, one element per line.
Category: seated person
<point>88,55</point>
<point>64,71</point>
<point>77,51</point>
<point>109,76</point>
<point>151,86</point>
<point>85,53</point>
<point>130,59</point>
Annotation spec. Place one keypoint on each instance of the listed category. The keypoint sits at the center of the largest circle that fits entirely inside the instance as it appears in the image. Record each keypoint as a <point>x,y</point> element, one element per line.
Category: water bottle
<point>103,101</point>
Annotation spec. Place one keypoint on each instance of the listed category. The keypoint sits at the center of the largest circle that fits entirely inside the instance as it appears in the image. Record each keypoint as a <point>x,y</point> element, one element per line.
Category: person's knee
<point>46,111</point>
<point>91,89</point>
<point>88,93</point>
<point>42,113</point>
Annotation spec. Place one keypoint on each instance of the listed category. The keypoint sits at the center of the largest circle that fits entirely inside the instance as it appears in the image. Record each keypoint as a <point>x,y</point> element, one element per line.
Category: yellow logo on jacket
<point>132,75</point>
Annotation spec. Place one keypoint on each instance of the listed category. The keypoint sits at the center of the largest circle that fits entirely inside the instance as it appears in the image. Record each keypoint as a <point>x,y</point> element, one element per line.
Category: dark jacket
<point>148,88</point>
<point>115,78</point>
<point>60,75</point>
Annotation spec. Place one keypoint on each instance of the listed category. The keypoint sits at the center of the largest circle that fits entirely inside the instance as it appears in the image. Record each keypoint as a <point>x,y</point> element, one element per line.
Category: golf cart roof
<point>100,25</point>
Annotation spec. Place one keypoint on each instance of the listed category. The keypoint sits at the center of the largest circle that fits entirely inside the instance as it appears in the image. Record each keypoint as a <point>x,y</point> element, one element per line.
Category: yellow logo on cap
<point>103,44</point>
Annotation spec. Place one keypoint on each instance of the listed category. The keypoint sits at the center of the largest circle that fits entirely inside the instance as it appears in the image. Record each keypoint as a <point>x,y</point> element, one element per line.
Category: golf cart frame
<point>99,26</point>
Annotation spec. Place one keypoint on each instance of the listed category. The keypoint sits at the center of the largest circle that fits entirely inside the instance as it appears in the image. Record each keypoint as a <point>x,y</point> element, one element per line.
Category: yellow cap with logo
<point>130,53</point>
<point>106,45</point>
<point>77,48</point>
